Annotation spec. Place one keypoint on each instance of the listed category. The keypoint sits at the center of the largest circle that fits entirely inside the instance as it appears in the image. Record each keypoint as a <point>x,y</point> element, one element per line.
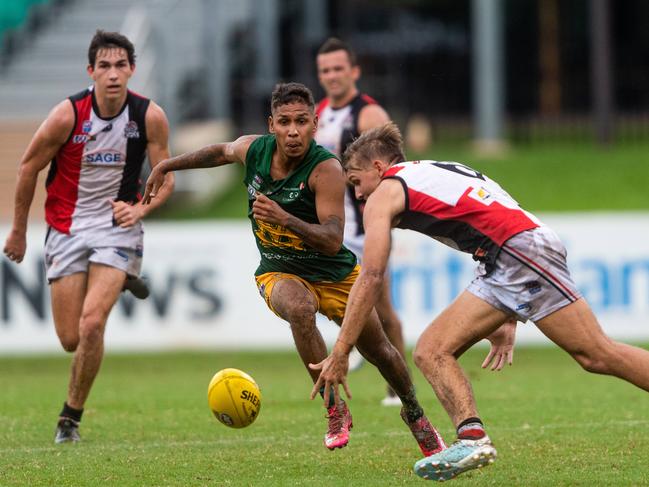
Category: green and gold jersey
<point>281,249</point>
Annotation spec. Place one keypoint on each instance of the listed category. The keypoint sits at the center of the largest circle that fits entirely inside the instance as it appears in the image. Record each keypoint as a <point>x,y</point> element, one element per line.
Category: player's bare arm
<point>157,132</point>
<point>327,181</point>
<point>381,210</point>
<point>47,140</point>
<point>372,116</point>
<point>214,155</point>
<point>382,207</point>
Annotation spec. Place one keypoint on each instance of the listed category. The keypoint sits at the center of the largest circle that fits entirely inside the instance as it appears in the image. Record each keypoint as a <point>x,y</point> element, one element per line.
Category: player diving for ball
<point>522,273</point>
<point>296,192</point>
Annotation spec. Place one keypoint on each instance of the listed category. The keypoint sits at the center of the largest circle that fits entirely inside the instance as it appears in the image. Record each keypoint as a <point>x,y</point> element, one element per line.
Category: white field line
<point>112,447</point>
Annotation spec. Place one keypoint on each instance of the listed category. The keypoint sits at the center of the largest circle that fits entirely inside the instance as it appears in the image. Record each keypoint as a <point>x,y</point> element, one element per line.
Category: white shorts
<point>530,278</point>
<point>115,247</point>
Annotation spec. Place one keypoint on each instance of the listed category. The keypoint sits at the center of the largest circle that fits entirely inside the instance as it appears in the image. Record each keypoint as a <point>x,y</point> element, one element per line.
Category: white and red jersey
<point>460,207</point>
<point>337,128</point>
<point>100,162</point>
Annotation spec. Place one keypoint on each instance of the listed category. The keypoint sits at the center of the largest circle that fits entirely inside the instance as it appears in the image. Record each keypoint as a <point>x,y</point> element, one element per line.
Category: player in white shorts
<point>342,116</point>
<point>95,143</point>
<point>522,272</point>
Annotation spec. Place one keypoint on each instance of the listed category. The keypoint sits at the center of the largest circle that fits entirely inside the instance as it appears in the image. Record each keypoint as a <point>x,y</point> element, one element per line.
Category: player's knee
<point>302,315</point>
<point>91,326</point>
<point>68,336</point>
<point>422,355</point>
<point>599,356</point>
<point>69,343</point>
<point>590,363</point>
<point>598,359</point>
<point>429,355</point>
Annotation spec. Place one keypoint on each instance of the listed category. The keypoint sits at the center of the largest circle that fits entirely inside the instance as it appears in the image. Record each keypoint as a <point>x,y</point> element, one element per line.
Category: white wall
<point>204,296</point>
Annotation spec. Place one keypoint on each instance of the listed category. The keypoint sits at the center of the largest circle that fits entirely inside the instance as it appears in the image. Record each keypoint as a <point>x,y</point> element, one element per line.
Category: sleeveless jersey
<point>281,249</point>
<point>460,207</point>
<point>100,161</point>
<point>337,128</point>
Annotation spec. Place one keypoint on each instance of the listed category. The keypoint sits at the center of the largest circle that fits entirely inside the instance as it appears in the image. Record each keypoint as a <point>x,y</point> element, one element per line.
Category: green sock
<point>411,407</point>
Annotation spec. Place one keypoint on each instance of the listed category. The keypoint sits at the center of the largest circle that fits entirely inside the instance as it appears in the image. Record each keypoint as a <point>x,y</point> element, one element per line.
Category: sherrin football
<point>234,398</point>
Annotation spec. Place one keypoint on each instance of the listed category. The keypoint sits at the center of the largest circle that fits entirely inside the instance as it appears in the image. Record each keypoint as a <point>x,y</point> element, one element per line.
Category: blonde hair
<point>383,142</point>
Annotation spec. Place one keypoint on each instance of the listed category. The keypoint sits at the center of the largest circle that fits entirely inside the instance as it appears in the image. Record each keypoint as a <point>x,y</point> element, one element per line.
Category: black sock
<point>70,412</point>
<point>471,429</point>
<point>332,399</point>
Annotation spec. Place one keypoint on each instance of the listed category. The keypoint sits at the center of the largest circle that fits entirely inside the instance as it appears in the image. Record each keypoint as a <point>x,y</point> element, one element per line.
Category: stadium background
<point>549,98</point>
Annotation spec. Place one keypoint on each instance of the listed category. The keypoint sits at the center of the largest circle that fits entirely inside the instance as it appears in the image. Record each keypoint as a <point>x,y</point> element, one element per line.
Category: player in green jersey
<point>295,194</point>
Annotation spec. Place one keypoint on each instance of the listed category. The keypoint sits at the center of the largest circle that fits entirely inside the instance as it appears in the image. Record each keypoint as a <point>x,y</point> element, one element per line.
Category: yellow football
<point>234,398</point>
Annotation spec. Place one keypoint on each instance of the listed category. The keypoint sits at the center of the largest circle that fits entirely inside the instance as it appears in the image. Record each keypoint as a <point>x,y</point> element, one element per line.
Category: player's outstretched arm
<point>211,156</point>
<point>381,209</point>
<point>386,202</point>
<point>328,183</point>
<point>47,141</point>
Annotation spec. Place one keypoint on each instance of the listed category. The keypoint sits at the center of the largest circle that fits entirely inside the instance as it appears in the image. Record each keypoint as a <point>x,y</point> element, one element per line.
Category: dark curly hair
<point>103,39</point>
<point>285,93</point>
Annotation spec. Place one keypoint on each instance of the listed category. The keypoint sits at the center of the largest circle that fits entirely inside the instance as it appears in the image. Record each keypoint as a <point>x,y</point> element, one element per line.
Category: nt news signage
<point>203,293</point>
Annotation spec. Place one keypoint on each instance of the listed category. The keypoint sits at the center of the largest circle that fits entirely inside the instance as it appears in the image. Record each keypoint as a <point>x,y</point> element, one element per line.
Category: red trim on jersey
<point>495,221</point>
<point>392,171</point>
<point>368,99</point>
<point>324,103</point>
<point>62,192</point>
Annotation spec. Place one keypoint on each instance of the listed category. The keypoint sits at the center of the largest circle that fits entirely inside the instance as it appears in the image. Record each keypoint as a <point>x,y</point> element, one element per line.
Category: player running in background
<point>295,192</point>
<point>522,272</point>
<point>343,115</point>
<point>96,141</point>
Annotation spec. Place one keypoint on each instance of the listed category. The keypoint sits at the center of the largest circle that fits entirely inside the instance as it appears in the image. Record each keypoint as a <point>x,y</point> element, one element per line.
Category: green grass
<point>232,203</point>
<point>147,423</point>
<point>566,177</point>
<point>557,177</point>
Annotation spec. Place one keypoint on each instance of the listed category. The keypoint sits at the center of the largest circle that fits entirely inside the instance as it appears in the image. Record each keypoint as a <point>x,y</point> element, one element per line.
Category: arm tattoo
<point>334,222</point>
<point>325,237</point>
<point>210,156</point>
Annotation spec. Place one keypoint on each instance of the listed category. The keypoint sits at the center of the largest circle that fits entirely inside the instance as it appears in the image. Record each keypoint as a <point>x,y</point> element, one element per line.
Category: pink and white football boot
<point>340,422</point>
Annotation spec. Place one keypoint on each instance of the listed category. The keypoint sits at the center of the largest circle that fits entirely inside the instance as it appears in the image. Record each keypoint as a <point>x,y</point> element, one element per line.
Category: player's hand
<point>502,346</point>
<point>153,183</point>
<point>16,246</point>
<point>333,372</point>
<point>267,210</point>
<point>125,214</point>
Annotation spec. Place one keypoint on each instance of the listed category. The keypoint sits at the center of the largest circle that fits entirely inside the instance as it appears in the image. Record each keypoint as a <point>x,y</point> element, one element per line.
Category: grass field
<point>147,424</point>
<point>556,177</point>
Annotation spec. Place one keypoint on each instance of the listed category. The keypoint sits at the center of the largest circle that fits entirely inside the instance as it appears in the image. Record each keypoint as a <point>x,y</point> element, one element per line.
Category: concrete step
<point>15,135</point>
<point>53,65</point>
<point>33,72</point>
